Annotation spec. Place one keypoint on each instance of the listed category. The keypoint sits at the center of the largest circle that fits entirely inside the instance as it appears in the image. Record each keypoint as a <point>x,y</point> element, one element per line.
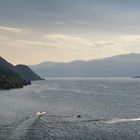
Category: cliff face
<point>10,79</point>
<point>15,76</point>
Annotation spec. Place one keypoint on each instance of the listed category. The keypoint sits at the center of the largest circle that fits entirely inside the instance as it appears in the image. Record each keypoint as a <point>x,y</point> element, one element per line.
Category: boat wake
<point>22,129</point>
<point>52,127</point>
<point>122,120</point>
<point>113,121</point>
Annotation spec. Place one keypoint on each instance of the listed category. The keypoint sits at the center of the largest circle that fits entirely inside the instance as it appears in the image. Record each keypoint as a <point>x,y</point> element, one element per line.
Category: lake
<point>109,110</point>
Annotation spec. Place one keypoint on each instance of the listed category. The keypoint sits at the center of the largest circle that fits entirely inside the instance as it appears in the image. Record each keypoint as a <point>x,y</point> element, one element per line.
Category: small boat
<point>40,114</point>
<point>78,116</point>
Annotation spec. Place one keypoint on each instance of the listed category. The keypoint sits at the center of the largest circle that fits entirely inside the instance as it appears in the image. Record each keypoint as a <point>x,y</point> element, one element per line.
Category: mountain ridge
<point>124,65</point>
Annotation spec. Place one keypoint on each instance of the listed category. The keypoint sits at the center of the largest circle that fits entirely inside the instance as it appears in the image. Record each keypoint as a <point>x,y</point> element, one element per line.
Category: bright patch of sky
<point>32,31</point>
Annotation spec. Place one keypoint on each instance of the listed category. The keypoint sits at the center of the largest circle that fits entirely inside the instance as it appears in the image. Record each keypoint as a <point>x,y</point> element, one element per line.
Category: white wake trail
<point>122,120</point>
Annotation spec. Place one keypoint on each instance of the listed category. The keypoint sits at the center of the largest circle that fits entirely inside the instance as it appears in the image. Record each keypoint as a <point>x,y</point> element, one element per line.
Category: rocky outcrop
<point>15,76</point>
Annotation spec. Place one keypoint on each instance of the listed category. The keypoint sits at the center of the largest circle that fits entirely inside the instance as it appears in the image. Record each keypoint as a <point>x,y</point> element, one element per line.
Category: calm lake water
<point>110,110</point>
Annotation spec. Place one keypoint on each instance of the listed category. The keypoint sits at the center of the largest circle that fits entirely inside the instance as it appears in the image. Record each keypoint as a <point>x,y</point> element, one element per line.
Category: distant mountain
<point>126,65</point>
<point>15,76</point>
<point>136,77</point>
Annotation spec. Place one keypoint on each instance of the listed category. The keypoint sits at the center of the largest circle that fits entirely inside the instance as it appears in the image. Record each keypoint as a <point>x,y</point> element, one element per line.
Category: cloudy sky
<point>33,31</point>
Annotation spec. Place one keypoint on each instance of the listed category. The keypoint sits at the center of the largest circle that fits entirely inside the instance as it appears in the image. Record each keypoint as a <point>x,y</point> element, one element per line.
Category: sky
<point>33,31</point>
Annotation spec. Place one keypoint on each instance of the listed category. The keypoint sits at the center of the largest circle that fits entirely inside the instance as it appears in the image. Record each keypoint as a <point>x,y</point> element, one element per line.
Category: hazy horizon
<point>45,61</point>
<point>33,31</point>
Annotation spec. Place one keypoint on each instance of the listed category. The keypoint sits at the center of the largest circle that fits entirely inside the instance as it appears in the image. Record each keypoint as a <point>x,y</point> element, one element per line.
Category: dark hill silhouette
<point>15,76</point>
<point>27,73</point>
